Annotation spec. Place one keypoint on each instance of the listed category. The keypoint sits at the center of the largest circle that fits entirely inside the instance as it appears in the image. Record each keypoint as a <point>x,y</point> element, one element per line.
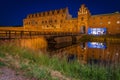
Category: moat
<point>84,52</point>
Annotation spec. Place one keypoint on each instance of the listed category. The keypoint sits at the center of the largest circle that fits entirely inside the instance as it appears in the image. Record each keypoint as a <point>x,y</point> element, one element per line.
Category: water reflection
<point>96,45</point>
<point>37,44</point>
<point>90,52</point>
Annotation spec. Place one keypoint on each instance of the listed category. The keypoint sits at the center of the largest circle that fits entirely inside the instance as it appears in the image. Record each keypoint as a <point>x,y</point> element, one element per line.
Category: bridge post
<point>21,34</point>
<point>9,34</point>
<point>30,34</point>
<point>15,33</point>
<point>74,39</point>
<point>6,33</point>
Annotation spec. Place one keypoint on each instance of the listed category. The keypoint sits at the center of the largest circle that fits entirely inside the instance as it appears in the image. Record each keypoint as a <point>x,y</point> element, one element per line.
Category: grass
<point>2,64</point>
<point>39,66</point>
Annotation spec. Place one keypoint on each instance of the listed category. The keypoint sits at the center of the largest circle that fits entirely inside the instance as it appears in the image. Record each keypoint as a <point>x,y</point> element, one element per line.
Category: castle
<point>85,23</point>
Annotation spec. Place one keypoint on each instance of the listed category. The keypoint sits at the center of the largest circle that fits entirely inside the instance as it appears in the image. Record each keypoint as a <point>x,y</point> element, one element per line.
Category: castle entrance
<point>83,30</point>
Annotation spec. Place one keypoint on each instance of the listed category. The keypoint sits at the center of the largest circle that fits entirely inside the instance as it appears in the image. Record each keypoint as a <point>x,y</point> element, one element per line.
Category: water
<point>89,52</point>
<point>95,55</point>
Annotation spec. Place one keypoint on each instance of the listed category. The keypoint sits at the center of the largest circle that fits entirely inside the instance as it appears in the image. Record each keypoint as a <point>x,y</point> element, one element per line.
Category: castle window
<point>55,20</point>
<point>45,21</point>
<point>82,18</point>
<point>109,22</point>
<point>118,22</point>
<point>62,15</point>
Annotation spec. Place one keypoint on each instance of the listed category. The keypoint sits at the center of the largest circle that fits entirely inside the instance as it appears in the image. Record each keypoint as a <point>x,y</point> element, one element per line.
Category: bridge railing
<point>28,34</point>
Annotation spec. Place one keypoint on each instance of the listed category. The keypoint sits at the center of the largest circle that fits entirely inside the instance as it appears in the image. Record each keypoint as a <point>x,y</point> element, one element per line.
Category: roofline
<point>106,14</point>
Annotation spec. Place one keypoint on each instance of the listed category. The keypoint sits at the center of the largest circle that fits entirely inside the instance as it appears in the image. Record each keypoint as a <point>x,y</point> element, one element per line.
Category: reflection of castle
<point>86,53</point>
<point>61,21</point>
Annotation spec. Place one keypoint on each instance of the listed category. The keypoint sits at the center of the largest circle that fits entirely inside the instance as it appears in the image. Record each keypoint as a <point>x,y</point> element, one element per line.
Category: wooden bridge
<point>24,34</point>
<point>11,34</point>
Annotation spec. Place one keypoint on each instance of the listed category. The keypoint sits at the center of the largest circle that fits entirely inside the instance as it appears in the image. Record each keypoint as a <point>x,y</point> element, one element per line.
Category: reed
<point>39,65</point>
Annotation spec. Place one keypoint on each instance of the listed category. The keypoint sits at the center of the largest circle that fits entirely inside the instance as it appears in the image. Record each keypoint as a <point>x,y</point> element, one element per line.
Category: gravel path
<point>9,74</point>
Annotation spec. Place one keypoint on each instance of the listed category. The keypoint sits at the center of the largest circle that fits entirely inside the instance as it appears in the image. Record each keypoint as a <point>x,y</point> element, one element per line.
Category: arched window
<point>82,18</point>
<point>55,21</point>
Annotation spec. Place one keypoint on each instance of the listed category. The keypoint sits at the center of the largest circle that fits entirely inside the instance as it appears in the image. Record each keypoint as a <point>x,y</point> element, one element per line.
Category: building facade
<point>61,21</point>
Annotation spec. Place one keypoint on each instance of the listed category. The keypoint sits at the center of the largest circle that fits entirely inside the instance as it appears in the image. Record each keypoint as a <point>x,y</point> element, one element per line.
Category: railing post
<point>15,33</point>
<point>6,33</point>
<point>30,34</point>
<point>9,34</point>
<point>21,34</point>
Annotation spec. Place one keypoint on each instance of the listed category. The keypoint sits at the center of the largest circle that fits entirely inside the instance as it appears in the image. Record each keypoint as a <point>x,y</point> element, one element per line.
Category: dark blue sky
<point>12,12</point>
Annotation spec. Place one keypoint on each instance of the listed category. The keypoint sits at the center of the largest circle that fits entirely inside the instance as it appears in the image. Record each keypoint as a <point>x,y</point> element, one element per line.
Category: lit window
<point>118,22</point>
<point>109,22</point>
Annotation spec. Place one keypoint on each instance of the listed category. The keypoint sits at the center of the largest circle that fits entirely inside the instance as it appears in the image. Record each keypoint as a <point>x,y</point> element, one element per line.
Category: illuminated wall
<point>61,21</point>
<point>110,21</point>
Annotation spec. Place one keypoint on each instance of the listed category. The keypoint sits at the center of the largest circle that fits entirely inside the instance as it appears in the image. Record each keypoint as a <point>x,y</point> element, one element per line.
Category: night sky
<point>12,12</point>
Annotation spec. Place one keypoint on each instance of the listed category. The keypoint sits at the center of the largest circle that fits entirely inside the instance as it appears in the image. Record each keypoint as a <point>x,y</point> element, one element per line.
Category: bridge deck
<point>12,34</point>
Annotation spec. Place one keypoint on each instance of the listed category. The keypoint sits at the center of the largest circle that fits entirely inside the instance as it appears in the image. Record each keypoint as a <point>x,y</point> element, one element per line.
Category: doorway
<point>83,30</point>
